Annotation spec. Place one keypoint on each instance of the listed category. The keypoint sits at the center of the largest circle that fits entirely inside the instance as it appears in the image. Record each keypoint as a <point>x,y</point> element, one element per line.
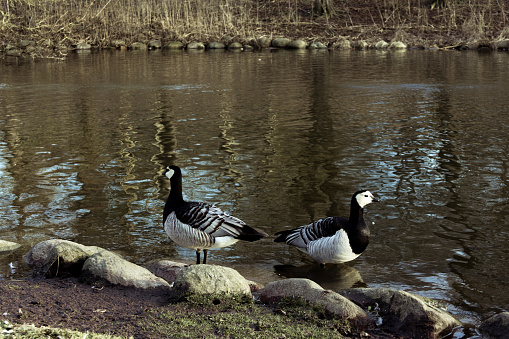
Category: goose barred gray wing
<point>211,220</point>
<point>302,236</point>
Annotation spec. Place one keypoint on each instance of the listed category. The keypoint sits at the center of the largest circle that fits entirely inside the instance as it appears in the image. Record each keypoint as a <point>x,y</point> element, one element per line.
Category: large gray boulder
<point>280,42</point>
<point>211,281</point>
<point>297,44</point>
<point>56,257</point>
<point>314,294</point>
<point>114,269</point>
<point>7,246</point>
<point>406,314</point>
<point>496,326</point>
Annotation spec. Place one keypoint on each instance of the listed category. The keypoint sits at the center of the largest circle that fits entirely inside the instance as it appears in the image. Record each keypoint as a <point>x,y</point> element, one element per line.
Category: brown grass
<point>66,22</point>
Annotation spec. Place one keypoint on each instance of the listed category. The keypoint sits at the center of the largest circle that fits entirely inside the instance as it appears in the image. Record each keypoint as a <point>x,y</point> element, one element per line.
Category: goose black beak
<point>376,200</point>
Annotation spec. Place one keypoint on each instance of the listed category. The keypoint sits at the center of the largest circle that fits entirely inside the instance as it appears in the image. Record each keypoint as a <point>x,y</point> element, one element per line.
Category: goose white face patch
<point>169,173</point>
<point>364,198</point>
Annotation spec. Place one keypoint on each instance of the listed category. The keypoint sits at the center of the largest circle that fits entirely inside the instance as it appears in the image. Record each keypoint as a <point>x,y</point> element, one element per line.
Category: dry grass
<point>66,22</point>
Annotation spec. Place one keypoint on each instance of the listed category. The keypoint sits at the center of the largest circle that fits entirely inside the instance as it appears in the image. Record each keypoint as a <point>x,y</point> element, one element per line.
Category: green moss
<point>8,330</point>
<point>225,300</point>
<point>286,320</point>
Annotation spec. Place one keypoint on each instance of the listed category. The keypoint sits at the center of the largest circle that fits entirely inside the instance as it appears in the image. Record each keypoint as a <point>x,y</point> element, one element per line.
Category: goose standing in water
<point>200,226</point>
<point>334,239</point>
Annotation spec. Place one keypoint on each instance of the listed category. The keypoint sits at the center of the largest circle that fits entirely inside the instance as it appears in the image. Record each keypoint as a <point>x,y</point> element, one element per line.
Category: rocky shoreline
<point>30,49</point>
<point>360,310</point>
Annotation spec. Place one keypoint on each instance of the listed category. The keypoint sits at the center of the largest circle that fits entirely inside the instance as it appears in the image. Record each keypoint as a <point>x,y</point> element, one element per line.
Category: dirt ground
<point>67,303</point>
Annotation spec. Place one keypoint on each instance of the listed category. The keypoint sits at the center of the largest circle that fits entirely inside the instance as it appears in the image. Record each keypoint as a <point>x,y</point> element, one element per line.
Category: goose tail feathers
<point>251,234</point>
<point>283,235</point>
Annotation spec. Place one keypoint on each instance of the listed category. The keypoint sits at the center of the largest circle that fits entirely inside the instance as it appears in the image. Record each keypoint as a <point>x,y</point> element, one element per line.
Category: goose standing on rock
<point>334,239</point>
<point>200,226</point>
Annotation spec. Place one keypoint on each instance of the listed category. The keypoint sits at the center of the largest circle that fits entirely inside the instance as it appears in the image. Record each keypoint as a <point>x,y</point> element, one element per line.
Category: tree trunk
<point>324,7</point>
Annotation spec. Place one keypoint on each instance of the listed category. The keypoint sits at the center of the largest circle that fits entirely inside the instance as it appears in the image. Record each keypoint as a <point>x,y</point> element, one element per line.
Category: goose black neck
<point>356,213</point>
<point>175,197</point>
<point>358,231</point>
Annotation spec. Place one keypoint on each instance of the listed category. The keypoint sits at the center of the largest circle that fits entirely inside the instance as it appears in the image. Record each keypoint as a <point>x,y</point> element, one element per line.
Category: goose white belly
<point>335,249</point>
<point>189,237</point>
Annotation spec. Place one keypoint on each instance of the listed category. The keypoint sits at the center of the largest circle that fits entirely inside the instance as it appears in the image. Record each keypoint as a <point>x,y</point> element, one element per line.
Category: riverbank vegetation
<point>418,23</point>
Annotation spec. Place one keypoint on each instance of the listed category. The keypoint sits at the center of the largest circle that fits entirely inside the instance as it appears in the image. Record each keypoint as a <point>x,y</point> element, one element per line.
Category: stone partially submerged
<point>404,313</point>
<point>58,257</point>
<point>7,246</point>
<point>496,326</point>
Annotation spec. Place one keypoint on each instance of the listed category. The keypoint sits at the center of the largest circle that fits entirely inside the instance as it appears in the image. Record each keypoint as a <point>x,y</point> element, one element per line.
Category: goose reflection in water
<point>332,277</point>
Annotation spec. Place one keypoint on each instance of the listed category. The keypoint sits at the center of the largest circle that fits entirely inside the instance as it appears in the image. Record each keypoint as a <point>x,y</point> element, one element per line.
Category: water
<point>278,139</point>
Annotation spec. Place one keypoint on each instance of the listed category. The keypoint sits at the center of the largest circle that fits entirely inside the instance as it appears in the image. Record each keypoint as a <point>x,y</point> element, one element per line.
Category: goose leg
<point>205,256</point>
<point>198,257</point>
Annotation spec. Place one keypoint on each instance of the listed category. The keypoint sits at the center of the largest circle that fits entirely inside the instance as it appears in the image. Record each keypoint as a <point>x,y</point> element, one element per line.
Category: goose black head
<point>364,198</point>
<point>172,171</point>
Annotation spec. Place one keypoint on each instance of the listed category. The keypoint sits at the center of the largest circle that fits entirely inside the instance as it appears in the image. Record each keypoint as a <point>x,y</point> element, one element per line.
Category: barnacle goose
<point>200,226</point>
<point>334,239</point>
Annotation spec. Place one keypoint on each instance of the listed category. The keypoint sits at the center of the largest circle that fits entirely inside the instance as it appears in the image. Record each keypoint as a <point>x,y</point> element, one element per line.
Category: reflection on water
<point>331,277</point>
<point>279,139</point>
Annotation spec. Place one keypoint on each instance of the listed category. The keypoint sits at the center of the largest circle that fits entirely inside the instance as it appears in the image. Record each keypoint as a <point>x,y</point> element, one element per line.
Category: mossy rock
<point>280,42</point>
<point>138,46</point>
<point>209,281</point>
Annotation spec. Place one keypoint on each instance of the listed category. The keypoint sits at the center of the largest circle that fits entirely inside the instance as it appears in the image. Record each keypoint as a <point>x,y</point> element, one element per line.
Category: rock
<point>264,42</point>
<point>496,326</point>
<point>154,44</point>
<point>117,43</point>
<point>138,46</point>
<point>211,281</point>
<point>317,45</point>
<point>216,45</point>
<point>118,271</point>
<point>235,45</point>
<point>404,313</point>
<point>166,269</point>
<point>83,46</point>
<point>6,246</point>
<point>195,45</point>
<point>397,45</point>
<point>174,45</point>
<point>316,295</point>
<point>280,42</point>
<point>359,44</point>
<point>25,43</point>
<point>343,44</point>
<point>297,44</point>
<point>13,52</point>
<point>55,257</point>
<point>501,44</point>
<point>381,45</point>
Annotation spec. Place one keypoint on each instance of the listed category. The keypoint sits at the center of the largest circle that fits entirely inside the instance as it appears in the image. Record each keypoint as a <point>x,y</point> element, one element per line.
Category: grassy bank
<point>292,319</point>
<point>418,23</point>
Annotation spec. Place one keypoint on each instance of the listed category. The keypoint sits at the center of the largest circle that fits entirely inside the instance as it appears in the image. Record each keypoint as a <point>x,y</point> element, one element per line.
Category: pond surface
<point>278,139</point>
